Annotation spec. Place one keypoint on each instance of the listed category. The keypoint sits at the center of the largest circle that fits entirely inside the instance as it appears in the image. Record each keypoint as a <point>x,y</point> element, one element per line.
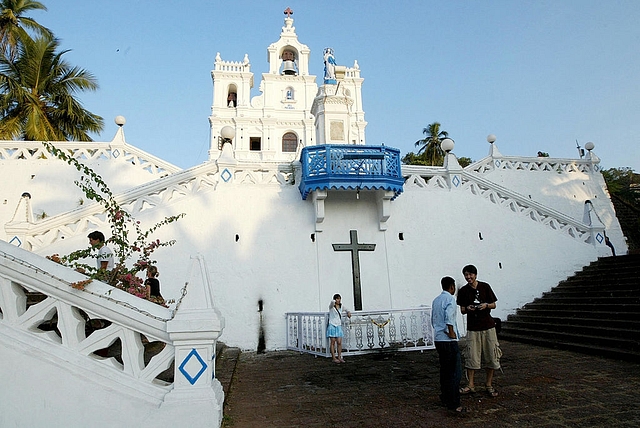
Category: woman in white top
<point>334,329</point>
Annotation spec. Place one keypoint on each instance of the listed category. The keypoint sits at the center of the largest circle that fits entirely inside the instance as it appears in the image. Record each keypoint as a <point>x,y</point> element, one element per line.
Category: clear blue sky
<point>537,74</point>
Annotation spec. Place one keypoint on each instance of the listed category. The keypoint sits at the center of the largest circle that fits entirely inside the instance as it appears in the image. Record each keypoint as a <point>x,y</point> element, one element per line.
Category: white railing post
<point>194,332</point>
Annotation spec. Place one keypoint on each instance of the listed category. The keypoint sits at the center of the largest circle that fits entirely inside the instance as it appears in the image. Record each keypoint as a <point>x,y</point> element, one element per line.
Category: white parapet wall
<point>59,367</point>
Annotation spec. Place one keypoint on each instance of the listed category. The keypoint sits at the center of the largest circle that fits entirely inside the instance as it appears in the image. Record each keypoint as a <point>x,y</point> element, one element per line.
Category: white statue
<point>329,66</point>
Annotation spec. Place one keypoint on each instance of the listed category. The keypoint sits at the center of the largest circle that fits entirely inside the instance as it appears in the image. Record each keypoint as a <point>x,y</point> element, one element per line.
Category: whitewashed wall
<point>274,258</point>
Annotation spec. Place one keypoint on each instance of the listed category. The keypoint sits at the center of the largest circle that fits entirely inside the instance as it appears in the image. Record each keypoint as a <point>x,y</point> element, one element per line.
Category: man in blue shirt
<point>445,328</point>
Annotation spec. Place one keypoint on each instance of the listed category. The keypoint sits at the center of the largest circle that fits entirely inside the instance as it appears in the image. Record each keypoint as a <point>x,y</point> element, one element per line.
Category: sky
<point>540,75</point>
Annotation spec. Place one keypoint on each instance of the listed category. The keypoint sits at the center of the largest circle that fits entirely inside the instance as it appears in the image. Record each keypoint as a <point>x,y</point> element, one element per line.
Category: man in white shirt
<point>445,328</point>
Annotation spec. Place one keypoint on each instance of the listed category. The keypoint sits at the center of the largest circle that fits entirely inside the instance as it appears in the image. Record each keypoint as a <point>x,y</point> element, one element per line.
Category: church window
<point>255,143</point>
<point>289,94</point>
<point>232,97</point>
<point>289,142</point>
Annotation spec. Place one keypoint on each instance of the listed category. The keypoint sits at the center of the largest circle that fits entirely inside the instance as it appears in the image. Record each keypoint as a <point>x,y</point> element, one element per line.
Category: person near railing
<point>334,328</point>
<point>445,330</point>
<point>105,255</point>
<point>476,299</point>
<point>152,284</point>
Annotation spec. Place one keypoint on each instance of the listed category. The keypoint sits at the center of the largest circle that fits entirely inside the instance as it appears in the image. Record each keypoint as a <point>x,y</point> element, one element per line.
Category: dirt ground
<point>538,387</point>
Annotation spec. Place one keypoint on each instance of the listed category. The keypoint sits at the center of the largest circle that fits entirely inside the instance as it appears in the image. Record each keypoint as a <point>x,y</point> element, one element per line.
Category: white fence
<point>364,332</point>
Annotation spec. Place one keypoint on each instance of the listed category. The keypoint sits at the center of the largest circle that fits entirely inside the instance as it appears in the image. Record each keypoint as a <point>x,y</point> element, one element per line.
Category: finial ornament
<point>288,12</point>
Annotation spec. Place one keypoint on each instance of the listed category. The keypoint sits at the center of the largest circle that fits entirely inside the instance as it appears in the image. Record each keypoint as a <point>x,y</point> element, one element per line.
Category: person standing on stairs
<point>104,258</point>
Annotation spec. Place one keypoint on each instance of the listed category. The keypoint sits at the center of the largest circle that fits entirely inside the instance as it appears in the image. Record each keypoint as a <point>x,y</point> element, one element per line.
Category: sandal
<point>460,411</point>
<point>491,391</point>
<point>467,390</point>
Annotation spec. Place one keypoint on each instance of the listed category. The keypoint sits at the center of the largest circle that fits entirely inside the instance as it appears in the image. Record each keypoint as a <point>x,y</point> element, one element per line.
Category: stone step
<point>601,282</point>
<point>583,307</point>
<point>605,329</point>
<point>575,292</point>
<point>602,351</point>
<point>577,339</point>
<point>542,312</point>
<point>588,298</point>
<point>632,323</point>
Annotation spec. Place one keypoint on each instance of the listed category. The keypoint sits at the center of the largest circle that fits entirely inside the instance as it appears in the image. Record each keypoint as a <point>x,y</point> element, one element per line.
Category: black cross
<point>355,248</point>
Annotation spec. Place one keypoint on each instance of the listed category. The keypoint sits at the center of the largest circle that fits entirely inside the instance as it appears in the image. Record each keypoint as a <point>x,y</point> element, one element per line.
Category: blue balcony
<point>350,167</point>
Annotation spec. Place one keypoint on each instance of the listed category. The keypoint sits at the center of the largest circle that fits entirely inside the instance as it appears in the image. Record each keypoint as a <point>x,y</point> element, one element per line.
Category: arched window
<point>289,94</point>
<point>232,96</point>
<point>289,142</point>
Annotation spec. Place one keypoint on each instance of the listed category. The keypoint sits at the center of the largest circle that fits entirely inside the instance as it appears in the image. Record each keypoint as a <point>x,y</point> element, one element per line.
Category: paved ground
<point>538,387</point>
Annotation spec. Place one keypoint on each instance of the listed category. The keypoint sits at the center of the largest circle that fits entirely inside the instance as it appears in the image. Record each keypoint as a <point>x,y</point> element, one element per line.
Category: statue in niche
<point>329,66</point>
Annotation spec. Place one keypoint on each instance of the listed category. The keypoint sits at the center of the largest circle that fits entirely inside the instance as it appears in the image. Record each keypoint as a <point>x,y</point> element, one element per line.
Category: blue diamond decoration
<point>16,241</point>
<point>497,163</point>
<point>226,175</point>
<point>115,153</point>
<point>183,370</point>
<point>456,180</point>
<point>599,238</point>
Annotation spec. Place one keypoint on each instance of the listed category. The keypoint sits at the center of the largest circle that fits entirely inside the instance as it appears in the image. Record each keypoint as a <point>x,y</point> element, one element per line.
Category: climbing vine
<point>128,240</point>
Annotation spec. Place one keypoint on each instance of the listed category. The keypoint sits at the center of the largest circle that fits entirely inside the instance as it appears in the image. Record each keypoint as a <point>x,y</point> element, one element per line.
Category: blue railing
<point>350,167</point>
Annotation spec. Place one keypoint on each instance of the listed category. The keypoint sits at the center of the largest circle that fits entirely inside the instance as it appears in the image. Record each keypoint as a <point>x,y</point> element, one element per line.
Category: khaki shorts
<point>482,347</point>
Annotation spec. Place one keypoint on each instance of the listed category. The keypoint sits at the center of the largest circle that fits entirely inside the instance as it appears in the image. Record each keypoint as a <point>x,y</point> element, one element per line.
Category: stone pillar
<point>454,171</point>
<point>194,331</point>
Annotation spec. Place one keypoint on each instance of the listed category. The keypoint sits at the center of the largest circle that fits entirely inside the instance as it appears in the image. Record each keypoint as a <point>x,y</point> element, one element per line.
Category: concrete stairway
<point>628,215</point>
<point>597,311</point>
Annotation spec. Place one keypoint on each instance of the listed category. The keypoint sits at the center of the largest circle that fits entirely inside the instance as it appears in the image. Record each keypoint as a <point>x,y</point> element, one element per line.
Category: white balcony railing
<point>364,332</point>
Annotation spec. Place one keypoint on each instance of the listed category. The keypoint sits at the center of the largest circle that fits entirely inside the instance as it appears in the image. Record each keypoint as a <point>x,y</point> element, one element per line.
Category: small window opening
<point>255,143</point>
<point>289,142</point>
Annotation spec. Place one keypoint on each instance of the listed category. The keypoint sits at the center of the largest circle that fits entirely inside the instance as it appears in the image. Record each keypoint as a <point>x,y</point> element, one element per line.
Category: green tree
<point>465,161</point>
<point>623,183</point>
<point>37,95</point>
<point>13,24</point>
<point>430,145</point>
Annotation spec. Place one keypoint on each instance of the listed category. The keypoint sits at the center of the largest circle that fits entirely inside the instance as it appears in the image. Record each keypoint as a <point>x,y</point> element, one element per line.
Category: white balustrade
<point>109,337</point>
<point>473,182</point>
<point>170,189</point>
<point>364,332</point>
<point>113,151</point>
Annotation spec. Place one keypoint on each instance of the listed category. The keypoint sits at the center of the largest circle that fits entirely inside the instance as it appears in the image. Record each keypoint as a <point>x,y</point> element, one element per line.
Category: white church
<point>292,206</point>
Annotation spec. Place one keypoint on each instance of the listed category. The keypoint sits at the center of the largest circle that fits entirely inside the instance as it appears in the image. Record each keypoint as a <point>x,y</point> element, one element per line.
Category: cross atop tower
<point>288,12</point>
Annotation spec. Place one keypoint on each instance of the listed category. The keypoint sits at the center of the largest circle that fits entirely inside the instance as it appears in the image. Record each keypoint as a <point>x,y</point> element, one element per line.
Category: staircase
<point>628,215</point>
<point>597,311</point>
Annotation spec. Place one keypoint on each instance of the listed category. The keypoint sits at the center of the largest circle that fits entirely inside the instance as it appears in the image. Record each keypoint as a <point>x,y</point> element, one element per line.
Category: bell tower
<point>274,124</point>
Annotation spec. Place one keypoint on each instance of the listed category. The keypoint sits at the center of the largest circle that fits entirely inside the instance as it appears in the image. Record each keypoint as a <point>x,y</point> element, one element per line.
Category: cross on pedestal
<point>355,249</point>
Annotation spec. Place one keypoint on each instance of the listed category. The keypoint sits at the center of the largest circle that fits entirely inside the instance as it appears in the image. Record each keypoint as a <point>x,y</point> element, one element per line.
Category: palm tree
<point>37,95</point>
<point>13,24</point>
<point>430,145</point>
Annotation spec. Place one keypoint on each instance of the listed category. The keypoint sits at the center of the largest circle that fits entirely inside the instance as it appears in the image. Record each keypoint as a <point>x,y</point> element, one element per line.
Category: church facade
<point>292,198</point>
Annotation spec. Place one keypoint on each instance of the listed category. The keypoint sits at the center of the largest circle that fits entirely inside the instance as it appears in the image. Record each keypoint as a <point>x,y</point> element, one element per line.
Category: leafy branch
<point>122,225</point>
